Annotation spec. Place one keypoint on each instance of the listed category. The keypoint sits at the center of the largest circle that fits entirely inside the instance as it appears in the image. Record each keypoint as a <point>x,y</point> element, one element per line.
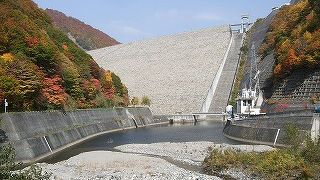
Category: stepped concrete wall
<point>38,134</point>
<point>271,129</point>
<point>175,71</point>
<point>224,87</point>
<point>301,84</point>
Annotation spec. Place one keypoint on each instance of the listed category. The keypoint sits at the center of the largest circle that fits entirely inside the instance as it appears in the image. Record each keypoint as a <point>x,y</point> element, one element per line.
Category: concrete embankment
<point>36,135</point>
<point>271,129</point>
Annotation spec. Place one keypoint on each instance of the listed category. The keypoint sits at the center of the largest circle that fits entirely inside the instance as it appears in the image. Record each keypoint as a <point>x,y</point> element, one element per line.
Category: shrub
<point>146,101</point>
<point>8,167</point>
<point>102,102</point>
<point>311,150</point>
<point>296,161</point>
<point>292,136</point>
<point>135,101</point>
<point>276,164</point>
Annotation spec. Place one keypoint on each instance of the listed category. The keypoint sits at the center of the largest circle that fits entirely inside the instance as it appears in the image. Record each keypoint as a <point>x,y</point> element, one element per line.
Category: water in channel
<point>202,131</point>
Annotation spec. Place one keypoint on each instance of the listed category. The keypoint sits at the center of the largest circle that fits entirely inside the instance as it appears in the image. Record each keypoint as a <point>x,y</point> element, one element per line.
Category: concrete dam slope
<point>175,71</point>
<point>224,87</point>
<point>35,135</point>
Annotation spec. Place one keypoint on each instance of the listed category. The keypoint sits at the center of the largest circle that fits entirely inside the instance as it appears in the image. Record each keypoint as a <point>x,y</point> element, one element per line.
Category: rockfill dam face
<point>175,71</point>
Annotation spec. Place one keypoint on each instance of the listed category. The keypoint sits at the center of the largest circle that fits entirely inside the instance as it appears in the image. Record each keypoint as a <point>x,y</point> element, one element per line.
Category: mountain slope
<point>291,50</point>
<point>41,68</point>
<point>84,35</point>
<point>294,35</point>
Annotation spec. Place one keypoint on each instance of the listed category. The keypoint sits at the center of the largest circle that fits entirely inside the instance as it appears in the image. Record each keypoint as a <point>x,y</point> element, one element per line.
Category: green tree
<point>120,89</point>
<point>43,56</point>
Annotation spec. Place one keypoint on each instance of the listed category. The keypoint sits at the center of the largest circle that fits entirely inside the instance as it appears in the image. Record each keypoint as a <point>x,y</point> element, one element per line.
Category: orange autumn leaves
<point>294,35</point>
<point>291,61</point>
<point>53,91</point>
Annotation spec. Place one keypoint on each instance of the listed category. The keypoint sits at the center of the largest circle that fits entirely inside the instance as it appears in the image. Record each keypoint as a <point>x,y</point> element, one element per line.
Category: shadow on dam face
<point>202,131</point>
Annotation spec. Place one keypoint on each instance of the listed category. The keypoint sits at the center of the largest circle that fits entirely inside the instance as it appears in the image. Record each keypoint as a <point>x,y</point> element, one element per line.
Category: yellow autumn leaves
<point>7,57</point>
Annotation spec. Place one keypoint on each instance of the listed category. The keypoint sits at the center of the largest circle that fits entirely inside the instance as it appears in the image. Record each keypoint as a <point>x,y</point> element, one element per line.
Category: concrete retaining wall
<point>302,119</point>
<point>35,134</point>
<point>253,135</point>
<point>269,129</point>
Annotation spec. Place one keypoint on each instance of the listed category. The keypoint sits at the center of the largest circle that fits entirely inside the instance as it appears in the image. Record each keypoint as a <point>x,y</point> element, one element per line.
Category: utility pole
<point>5,105</point>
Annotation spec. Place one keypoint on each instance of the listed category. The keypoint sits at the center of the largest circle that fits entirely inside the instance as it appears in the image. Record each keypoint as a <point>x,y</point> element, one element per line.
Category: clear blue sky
<point>131,20</point>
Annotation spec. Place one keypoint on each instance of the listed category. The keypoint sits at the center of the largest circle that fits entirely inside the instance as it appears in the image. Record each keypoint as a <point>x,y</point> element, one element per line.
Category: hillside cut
<point>175,71</point>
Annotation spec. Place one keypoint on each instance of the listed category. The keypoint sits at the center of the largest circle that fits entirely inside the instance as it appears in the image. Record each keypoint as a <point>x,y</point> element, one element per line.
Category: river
<point>202,131</point>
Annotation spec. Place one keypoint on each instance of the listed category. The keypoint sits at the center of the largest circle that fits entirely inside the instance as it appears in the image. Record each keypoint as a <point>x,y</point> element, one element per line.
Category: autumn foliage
<point>41,68</point>
<point>53,92</point>
<point>85,36</point>
<point>294,36</point>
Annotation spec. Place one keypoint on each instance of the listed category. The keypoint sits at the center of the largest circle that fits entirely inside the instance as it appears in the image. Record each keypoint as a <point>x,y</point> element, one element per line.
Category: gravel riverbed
<point>143,161</point>
<point>116,165</point>
<point>189,152</point>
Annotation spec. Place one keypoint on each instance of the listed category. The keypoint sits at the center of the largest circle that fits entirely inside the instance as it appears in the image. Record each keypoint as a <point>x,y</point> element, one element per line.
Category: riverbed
<point>147,161</point>
<point>161,152</point>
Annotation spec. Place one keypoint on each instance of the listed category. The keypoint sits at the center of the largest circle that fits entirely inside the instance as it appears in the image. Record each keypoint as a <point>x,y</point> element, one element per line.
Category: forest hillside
<point>84,35</point>
<point>41,68</point>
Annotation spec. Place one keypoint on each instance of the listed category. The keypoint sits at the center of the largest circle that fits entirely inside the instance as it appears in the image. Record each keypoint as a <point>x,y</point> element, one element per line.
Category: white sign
<point>5,105</point>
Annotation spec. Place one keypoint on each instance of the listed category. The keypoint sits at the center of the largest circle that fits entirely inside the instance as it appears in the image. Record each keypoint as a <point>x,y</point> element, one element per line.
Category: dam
<point>178,72</point>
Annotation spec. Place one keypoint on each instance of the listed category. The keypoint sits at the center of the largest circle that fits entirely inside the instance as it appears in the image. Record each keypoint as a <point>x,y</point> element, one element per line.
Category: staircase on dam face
<point>224,87</point>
